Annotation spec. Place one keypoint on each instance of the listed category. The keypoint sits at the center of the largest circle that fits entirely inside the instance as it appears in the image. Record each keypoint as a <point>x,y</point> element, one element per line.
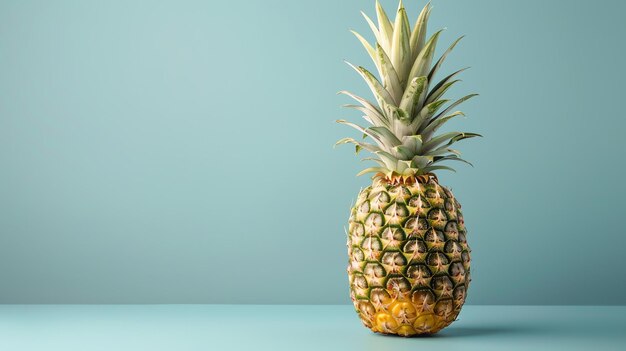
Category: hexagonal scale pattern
<point>409,264</point>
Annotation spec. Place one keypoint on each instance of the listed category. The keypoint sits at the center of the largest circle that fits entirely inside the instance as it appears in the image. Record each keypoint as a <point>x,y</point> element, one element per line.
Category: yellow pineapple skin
<point>409,262</point>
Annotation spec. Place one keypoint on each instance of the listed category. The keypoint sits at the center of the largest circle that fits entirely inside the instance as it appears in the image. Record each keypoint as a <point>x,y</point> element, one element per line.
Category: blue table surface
<point>300,327</point>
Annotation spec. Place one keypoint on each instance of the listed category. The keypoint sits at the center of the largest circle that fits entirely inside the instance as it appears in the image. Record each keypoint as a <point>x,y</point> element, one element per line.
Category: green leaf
<point>380,93</point>
<point>412,142</point>
<point>450,137</point>
<point>450,158</point>
<point>431,144</point>
<point>401,115</point>
<point>421,66</point>
<point>377,160</point>
<point>436,91</point>
<point>437,65</point>
<point>413,96</point>
<point>438,167</point>
<point>372,170</point>
<point>383,136</point>
<point>434,106</point>
<point>421,161</point>
<point>442,90</point>
<point>391,82</point>
<point>443,151</point>
<point>390,161</point>
<point>374,136</point>
<point>418,36</point>
<point>403,166</point>
<point>366,146</point>
<point>374,112</point>
<point>448,109</point>
<point>370,50</point>
<point>367,114</point>
<point>438,122</point>
<point>372,26</point>
<point>400,45</point>
<point>403,152</point>
<point>427,112</point>
<point>386,135</point>
<point>384,27</point>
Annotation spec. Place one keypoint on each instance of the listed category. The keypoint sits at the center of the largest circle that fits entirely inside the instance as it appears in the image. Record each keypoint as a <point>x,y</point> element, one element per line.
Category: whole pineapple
<point>409,265</point>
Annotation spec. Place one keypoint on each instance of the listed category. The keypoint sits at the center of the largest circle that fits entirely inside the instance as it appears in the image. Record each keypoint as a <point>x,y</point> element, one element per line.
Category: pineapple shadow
<point>474,331</point>
<point>488,330</point>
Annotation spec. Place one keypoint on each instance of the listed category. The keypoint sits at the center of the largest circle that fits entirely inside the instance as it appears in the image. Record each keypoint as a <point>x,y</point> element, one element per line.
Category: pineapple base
<point>409,266</point>
<point>405,318</point>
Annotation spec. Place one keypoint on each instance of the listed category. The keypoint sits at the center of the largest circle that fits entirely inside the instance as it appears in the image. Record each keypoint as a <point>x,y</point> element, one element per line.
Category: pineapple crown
<point>406,116</point>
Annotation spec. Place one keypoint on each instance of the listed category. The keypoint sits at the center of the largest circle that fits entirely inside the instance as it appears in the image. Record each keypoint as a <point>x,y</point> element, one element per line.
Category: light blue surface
<point>145,143</point>
<point>322,327</point>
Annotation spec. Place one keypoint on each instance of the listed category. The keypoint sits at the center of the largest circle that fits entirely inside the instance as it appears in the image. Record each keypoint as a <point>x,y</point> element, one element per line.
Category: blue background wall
<point>181,151</point>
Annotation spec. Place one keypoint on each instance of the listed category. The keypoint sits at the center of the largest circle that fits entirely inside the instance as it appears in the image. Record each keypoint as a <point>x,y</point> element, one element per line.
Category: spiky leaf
<point>437,123</point>
<point>413,97</point>
<point>421,66</point>
<point>418,35</point>
<point>447,110</point>
<point>435,95</point>
<point>370,50</point>
<point>384,27</point>
<point>406,114</point>
<point>450,138</point>
<point>391,82</point>
<point>381,94</point>
<point>370,108</point>
<point>437,65</point>
<point>401,45</point>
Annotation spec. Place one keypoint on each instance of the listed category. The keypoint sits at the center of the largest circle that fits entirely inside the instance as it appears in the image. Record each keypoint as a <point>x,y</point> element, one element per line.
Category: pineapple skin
<point>409,262</point>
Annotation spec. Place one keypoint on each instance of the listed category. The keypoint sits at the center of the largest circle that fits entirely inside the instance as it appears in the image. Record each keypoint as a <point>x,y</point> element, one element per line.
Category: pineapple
<point>409,262</point>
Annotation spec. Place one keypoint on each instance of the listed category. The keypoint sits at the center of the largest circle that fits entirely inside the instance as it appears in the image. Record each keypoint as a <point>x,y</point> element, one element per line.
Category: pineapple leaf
<point>448,109</point>
<point>438,167</point>
<point>362,110</point>
<point>450,158</point>
<point>434,106</point>
<point>400,45</point>
<point>450,137</point>
<point>437,65</point>
<point>385,27</point>
<point>440,88</point>
<point>391,82</point>
<point>365,131</point>
<point>427,112</point>
<point>413,142</point>
<point>380,93</point>
<point>370,50</point>
<point>413,96</point>
<point>405,114</point>
<point>442,151</point>
<point>372,26</point>
<point>404,167</point>
<point>373,110</point>
<point>418,36</point>
<point>368,115</point>
<point>421,161</point>
<point>360,145</point>
<point>425,57</point>
<point>386,135</point>
<point>377,160</point>
<point>438,122</point>
<point>383,136</point>
<point>404,151</point>
<point>373,170</point>
<point>390,161</point>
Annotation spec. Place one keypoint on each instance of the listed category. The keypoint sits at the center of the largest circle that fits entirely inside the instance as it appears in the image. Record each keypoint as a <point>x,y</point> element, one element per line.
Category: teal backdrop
<point>181,151</point>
